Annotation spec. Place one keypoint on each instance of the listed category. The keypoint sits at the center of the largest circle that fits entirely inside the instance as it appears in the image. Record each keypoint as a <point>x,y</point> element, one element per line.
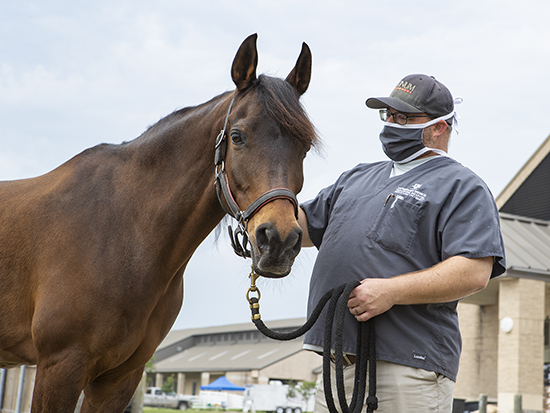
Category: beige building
<point>505,327</point>
<point>197,357</point>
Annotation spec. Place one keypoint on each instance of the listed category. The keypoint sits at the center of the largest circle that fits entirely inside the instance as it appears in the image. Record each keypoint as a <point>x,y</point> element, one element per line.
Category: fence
<point>16,386</point>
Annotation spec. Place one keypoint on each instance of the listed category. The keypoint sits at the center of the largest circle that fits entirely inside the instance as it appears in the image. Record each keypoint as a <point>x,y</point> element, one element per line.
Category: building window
<point>547,340</point>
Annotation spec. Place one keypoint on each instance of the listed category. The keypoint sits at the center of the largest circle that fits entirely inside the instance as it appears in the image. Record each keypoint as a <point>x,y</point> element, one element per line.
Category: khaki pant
<point>399,389</point>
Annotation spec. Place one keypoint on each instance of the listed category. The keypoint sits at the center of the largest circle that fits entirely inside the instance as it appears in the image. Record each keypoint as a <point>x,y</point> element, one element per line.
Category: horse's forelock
<point>281,102</point>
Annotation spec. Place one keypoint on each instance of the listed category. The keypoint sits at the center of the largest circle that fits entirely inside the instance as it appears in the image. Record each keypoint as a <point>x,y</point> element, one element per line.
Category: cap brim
<point>391,102</point>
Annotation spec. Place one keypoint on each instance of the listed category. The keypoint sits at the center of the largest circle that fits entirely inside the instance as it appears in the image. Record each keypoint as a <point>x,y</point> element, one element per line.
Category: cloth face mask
<point>403,143</point>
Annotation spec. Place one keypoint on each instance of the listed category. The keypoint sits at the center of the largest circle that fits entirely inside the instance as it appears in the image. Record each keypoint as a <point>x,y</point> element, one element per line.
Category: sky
<point>76,74</point>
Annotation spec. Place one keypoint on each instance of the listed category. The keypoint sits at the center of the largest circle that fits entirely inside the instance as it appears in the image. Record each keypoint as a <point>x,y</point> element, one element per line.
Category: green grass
<point>159,410</point>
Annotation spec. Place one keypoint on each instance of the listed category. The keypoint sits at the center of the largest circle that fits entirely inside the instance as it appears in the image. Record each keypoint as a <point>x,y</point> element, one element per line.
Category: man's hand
<point>374,296</point>
<point>450,280</point>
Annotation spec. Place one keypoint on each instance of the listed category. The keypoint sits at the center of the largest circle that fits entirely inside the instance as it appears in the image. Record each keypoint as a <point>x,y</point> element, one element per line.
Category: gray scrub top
<point>370,225</point>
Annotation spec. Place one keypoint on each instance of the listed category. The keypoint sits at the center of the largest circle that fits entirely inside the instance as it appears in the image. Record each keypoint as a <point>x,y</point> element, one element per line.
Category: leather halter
<point>228,202</point>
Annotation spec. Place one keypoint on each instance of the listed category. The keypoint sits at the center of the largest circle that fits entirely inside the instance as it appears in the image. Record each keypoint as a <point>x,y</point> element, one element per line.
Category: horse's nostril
<point>268,240</point>
<point>266,236</point>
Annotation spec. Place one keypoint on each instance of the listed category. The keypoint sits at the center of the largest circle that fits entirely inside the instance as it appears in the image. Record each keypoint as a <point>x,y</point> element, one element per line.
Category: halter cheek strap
<point>228,203</point>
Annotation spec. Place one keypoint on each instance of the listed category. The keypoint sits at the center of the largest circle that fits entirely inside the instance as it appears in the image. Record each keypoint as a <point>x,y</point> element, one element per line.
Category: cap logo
<point>406,87</point>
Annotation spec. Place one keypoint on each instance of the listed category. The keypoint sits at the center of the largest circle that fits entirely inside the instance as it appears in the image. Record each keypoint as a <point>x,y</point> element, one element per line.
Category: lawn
<point>158,410</point>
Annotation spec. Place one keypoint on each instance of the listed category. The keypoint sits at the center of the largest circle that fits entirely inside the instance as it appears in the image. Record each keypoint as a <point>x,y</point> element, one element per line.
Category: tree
<point>305,389</point>
<point>168,385</point>
<point>150,365</point>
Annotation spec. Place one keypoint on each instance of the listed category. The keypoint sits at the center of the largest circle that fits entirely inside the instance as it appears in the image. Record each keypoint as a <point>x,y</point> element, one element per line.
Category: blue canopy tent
<point>222,384</point>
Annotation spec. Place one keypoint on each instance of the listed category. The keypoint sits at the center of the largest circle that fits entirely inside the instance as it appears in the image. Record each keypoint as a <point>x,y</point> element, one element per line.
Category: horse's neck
<point>175,167</point>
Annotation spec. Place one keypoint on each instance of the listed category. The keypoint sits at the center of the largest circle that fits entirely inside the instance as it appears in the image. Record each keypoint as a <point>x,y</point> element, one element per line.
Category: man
<point>419,232</point>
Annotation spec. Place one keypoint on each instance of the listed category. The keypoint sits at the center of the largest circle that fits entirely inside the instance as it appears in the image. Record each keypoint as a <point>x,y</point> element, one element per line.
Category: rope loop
<point>335,315</point>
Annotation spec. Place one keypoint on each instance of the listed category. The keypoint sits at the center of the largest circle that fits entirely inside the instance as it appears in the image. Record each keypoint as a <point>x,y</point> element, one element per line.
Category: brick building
<point>505,327</point>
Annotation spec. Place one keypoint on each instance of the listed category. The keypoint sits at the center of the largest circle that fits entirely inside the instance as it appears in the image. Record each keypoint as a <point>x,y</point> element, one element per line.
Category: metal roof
<point>234,347</point>
<point>527,243</point>
<point>175,336</point>
<point>230,357</point>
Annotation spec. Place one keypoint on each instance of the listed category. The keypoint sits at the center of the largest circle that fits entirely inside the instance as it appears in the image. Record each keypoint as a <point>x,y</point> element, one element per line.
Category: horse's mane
<point>280,102</point>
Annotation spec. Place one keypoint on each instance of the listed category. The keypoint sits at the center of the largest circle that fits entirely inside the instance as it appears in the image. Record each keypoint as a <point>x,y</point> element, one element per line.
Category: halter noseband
<point>228,202</point>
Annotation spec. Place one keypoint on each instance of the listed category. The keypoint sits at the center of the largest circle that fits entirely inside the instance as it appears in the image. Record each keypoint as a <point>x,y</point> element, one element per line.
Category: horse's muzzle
<point>273,257</point>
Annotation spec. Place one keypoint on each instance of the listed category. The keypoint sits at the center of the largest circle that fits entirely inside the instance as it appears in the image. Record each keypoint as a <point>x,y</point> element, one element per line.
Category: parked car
<point>155,397</point>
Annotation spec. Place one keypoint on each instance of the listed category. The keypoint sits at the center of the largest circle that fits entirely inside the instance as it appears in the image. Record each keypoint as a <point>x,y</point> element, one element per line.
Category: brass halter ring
<point>254,304</point>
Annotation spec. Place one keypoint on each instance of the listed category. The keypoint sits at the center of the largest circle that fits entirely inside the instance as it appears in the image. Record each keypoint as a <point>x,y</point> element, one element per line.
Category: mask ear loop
<point>456,116</point>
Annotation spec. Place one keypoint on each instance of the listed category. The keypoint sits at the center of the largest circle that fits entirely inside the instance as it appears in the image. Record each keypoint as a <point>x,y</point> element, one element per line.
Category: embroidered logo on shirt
<point>419,356</point>
<point>413,191</point>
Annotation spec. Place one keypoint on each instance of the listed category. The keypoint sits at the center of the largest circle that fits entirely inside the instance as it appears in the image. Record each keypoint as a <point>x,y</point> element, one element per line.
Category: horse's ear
<point>243,70</point>
<point>300,76</point>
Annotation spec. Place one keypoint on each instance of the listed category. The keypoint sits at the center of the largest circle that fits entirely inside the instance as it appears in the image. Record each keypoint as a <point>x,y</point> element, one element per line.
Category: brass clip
<point>253,289</point>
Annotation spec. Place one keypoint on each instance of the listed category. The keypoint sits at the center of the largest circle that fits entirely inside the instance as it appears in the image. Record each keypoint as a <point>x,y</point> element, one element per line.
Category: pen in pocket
<point>398,197</point>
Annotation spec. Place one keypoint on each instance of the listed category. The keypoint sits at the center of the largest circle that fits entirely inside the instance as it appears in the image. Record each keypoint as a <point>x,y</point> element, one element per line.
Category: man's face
<point>430,138</point>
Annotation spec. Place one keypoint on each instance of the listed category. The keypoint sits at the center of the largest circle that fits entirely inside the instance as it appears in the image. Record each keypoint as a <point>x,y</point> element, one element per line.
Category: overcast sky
<point>76,74</point>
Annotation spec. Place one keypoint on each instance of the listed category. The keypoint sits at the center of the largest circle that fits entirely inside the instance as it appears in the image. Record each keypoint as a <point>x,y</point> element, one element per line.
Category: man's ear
<point>440,128</point>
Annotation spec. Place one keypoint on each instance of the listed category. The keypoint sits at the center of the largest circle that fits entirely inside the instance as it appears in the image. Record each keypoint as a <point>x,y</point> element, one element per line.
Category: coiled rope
<point>365,351</point>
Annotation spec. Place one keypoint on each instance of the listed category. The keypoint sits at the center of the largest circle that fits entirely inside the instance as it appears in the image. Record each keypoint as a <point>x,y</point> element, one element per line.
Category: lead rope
<point>365,336</point>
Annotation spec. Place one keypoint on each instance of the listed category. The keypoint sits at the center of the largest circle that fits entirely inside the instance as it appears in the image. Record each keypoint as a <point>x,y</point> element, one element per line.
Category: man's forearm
<point>452,279</point>
<point>456,277</point>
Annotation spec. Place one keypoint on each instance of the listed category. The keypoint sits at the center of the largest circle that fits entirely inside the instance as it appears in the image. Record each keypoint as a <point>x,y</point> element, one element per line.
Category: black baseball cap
<point>417,94</point>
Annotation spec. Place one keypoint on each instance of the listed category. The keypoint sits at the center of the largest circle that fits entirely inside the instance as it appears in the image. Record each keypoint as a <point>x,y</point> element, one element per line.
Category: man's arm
<point>452,279</point>
<point>302,221</point>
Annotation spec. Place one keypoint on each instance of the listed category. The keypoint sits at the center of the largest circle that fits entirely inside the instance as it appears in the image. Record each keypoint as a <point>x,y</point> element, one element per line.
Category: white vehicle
<point>154,396</point>
<point>272,398</point>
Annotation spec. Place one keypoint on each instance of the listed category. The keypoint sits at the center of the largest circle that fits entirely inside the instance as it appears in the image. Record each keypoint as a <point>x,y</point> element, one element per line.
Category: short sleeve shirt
<point>370,225</point>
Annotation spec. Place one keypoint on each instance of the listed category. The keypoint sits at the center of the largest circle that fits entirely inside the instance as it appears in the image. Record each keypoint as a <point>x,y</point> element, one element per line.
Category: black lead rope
<point>365,352</point>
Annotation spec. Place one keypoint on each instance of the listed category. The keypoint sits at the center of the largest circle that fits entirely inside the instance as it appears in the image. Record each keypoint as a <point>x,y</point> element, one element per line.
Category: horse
<point>92,254</point>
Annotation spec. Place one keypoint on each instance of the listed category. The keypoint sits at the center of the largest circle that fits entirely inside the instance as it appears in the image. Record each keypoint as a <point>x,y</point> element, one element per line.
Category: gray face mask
<point>403,143</point>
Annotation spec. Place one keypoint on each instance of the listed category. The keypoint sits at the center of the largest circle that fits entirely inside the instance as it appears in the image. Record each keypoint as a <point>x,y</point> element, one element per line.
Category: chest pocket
<point>396,225</point>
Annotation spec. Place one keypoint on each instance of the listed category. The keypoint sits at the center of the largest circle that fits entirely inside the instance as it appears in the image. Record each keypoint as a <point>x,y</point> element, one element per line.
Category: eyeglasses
<point>398,117</point>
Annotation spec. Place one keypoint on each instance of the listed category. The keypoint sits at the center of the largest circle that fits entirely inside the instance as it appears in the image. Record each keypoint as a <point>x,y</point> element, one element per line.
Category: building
<point>196,357</point>
<point>505,327</point>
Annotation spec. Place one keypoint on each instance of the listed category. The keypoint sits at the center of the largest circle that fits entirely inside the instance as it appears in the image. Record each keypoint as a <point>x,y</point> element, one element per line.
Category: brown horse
<point>92,253</point>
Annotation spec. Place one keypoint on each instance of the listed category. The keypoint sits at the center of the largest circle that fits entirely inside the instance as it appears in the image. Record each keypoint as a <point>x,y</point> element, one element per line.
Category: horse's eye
<point>237,138</point>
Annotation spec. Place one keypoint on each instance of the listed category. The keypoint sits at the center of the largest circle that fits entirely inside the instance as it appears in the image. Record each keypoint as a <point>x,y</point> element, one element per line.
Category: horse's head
<point>268,135</point>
